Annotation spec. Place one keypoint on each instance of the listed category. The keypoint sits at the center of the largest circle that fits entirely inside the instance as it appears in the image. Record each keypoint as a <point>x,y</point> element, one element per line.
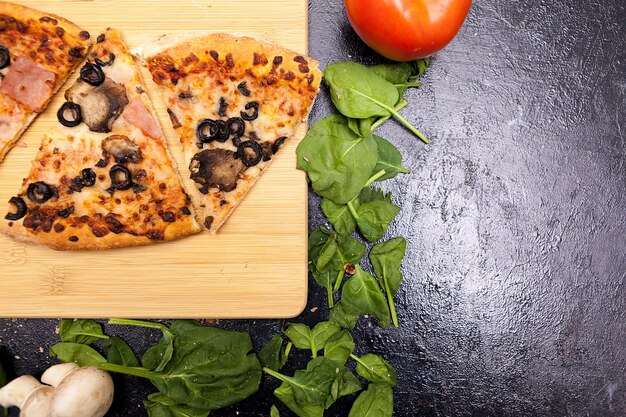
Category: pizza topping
<point>246,115</point>
<point>109,62</point>
<point>66,212</point>
<point>174,119</point>
<point>84,35</point>
<point>73,238</point>
<point>215,55</point>
<point>138,115</point>
<point>121,177</point>
<point>279,142</point>
<point>40,192</point>
<point>208,222</point>
<point>20,209</point>
<point>5,57</point>
<point>87,178</point>
<point>236,127</point>
<point>167,216</point>
<point>122,149</point>
<point>28,83</point>
<point>276,63</point>
<point>216,168</point>
<point>223,107</point>
<point>185,210</point>
<point>92,74</point>
<point>74,112</point>
<point>209,130</point>
<point>250,153</point>
<point>101,105</point>
<point>40,219</point>
<point>113,223</point>
<point>243,89</point>
<point>100,38</point>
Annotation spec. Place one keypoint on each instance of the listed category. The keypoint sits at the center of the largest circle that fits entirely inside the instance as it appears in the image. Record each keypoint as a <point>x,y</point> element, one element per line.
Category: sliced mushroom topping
<point>218,168</point>
<point>122,149</point>
<point>100,106</point>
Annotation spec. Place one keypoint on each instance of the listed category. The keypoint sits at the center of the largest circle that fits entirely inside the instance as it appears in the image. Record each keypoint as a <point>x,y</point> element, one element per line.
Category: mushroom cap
<point>16,392</point>
<point>86,392</point>
<point>38,403</point>
<point>55,374</point>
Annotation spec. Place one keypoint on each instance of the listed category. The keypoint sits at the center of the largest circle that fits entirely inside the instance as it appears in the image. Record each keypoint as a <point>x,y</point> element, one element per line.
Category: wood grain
<point>256,265</point>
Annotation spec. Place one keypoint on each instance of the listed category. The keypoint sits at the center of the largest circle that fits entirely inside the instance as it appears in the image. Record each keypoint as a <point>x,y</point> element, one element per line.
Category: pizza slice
<point>38,51</point>
<point>233,102</point>
<point>103,178</point>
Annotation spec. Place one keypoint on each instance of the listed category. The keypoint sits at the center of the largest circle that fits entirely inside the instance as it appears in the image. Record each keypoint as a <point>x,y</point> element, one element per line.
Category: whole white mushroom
<point>70,391</point>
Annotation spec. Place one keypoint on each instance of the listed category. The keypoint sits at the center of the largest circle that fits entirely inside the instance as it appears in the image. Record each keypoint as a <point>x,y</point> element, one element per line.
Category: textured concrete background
<point>514,301</point>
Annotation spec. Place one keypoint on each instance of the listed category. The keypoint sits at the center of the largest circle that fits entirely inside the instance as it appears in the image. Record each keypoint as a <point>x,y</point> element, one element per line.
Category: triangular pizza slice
<point>233,101</point>
<point>103,178</point>
<point>38,51</point>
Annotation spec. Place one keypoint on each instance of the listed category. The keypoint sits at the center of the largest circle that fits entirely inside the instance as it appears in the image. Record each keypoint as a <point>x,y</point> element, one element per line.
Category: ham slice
<point>28,84</point>
<point>137,114</point>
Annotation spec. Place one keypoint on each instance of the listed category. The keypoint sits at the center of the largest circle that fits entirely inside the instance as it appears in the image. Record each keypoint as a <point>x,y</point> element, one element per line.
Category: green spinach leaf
<point>159,355</point>
<point>342,318</point>
<point>119,352</point>
<point>374,213</point>
<point>210,368</point>
<point>80,331</point>
<point>159,405</point>
<point>313,385</point>
<point>389,159</point>
<point>272,355</point>
<point>346,383</point>
<point>361,295</point>
<point>376,401</point>
<point>339,347</point>
<point>338,162</point>
<point>359,93</point>
<point>339,216</point>
<point>83,355</point>
<point>285,394</point>
<point>386,259</point>
<point>274,412</point>
<point>375,369</point>
<point>329,254</point>
<point>314,339</point>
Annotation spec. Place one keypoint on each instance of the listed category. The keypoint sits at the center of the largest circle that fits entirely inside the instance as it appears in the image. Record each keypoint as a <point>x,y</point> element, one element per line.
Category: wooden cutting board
<point>256,267</point>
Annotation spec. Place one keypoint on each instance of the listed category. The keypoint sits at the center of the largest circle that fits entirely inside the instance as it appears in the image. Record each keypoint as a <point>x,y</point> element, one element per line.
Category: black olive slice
<point>20,209</point>
<point>5,57</point>
<point>276,145</point>
<point>243,154</point>
<point>39,192</point>
<point>88,177</point>
<point>245,115</point>
<point>223,131</point>
<point>121,177</point>
<point>74,110</point>
<point>101,63</point>
<point>243,89</point>
<point>92,74</point>
<point>207,130</point>
<point>236,126</point>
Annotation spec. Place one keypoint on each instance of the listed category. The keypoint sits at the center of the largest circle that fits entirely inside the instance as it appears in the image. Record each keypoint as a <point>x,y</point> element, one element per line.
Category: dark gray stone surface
<point>514,302</point>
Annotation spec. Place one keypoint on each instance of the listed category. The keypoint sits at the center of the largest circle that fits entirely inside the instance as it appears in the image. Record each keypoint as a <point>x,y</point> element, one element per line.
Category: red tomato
<point>405,30</point>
